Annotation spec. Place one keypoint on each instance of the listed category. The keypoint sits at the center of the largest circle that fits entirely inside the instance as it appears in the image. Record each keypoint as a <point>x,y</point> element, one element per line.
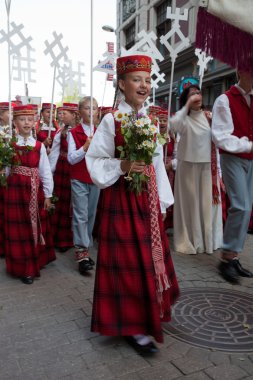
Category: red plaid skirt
<point>125,301</point>
<point>23,258</point>
<point>61,219</point>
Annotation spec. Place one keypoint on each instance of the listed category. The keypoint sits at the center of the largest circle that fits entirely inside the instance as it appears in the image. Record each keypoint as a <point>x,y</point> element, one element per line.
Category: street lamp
<point>108,28</point>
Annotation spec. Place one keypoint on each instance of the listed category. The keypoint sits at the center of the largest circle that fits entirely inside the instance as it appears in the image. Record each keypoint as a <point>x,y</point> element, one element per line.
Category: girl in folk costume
<point>43,128</point>
<point>60,116</point>
<point>197,208</point>
<point>61,219</point>
<point>84,192</point>
<point>27,200</point>
<point>171,160</point>
<point>135,283</point>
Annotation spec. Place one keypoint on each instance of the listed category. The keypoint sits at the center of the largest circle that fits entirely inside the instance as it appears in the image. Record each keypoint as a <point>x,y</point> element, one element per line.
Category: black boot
<point>240,270</point>
<point>228,271</point>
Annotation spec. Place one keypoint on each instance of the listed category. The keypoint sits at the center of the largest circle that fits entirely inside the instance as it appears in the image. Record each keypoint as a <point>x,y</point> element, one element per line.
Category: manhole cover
<point>213,318</point>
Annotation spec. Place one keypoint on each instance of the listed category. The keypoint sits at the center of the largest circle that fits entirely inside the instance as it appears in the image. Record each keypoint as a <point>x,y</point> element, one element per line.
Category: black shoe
<point>27,280</point>
<point>63,249</point>
<point>228,271</point>
<point>92,262</point>
<point>85,266</point>
<point>240,270</point>
<point>146,349</point>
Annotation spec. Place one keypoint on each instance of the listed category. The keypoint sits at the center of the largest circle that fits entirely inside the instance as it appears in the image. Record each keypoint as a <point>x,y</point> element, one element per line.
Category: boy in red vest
<point>232,131</point>
<point>83,191</point>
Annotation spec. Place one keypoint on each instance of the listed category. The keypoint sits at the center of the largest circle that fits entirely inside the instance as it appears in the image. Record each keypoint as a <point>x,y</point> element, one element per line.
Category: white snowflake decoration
<point>184,41</point>
<point>15,33</point>
<point>23,65</point>
<point>56,45</point>
<point>203,60</point>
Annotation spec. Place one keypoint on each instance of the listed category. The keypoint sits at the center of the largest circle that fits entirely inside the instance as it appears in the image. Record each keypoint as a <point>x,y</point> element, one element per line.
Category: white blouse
<point>195,135</point>
<point>105,169</point>
<point>45,127</point>
<point>77,155</point>
<point>44,166</point>
<point>223,126</point>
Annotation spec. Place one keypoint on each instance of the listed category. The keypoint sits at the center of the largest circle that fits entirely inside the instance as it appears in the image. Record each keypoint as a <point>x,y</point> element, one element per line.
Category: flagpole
<point>8,7</point>
<point>91,70</point>
<point>52,105</point>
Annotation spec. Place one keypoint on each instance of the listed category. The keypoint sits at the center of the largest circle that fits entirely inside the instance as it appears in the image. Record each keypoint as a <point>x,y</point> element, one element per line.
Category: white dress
<point>197,222</point>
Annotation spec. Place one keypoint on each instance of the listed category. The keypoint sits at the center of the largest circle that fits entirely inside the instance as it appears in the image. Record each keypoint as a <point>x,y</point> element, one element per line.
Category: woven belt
<point>63,154</point>
<point>33,205</point>
<point>162,281</point>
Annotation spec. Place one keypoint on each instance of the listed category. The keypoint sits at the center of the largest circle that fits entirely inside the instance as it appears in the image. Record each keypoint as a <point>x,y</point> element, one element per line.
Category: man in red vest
<point>232,131</point>
<point>83,191</point>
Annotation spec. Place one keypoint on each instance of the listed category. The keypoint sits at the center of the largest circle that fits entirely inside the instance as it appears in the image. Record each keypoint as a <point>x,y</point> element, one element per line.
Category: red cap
<point>133,63</point>
<point>23,110</point>
<point>163,115</point>
<point>104,110</point>
<point>35,107</point>
<point>46,106</point>
<point>4,106</point>
<point>73,107</point>
<point>154,110</point>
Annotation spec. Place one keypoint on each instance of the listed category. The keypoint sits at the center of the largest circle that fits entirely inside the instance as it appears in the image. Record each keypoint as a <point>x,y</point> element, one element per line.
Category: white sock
<point>142,339</point>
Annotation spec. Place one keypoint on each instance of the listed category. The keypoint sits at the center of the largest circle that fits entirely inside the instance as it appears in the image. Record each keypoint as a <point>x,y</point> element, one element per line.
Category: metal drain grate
<point>213,318</point>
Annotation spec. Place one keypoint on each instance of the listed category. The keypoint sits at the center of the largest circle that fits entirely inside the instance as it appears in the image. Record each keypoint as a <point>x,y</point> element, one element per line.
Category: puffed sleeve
<point>45,173</point>
<point>55,151</point>
<point>102,165</point>
<point>163,185</point>
<point>223,128</point>
<point>178,121</point>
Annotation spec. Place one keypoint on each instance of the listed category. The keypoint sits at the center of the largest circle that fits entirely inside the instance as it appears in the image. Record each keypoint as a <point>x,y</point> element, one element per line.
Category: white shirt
<point>55,151</point>
<point>223,126</point>
<point>77,155</point>
<point>45,127</point>
<point>105,169</point>
<point>44,167</point>
<point>195,135</point>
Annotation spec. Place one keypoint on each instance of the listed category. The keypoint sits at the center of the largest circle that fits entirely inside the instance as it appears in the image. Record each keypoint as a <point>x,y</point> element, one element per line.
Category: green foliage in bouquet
<point>140,137</point>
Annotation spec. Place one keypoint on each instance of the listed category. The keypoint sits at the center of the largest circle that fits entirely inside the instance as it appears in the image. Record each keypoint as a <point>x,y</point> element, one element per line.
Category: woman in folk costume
<point>171,160</point>
<point>28,247</point>
<point>44,133</point>
<point>197,207</point>
<point>61,219</point>
<point>135,283</point>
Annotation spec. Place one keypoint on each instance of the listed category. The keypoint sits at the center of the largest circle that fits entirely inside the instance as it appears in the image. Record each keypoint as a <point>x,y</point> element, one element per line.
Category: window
<point>163,24</point>
<point>130,36</point>
<point>129,7</point>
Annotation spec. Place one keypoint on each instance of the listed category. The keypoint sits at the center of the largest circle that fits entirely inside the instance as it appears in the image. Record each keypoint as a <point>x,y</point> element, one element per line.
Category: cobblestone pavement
<point>45,329</point>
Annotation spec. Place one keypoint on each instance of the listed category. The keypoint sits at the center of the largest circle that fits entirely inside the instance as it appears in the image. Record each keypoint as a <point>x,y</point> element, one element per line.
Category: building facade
<point>133,16</point>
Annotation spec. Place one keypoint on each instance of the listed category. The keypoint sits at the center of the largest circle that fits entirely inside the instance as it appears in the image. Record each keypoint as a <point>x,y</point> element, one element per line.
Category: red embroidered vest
<point>242,116</point>
<point>79,171</point>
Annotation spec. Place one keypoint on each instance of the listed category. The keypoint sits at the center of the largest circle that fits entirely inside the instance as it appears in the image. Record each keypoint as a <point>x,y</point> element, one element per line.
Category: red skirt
<point>168,222</point>
<point>61,220</point>
<point>125,301</point>
<point>23,258</point>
